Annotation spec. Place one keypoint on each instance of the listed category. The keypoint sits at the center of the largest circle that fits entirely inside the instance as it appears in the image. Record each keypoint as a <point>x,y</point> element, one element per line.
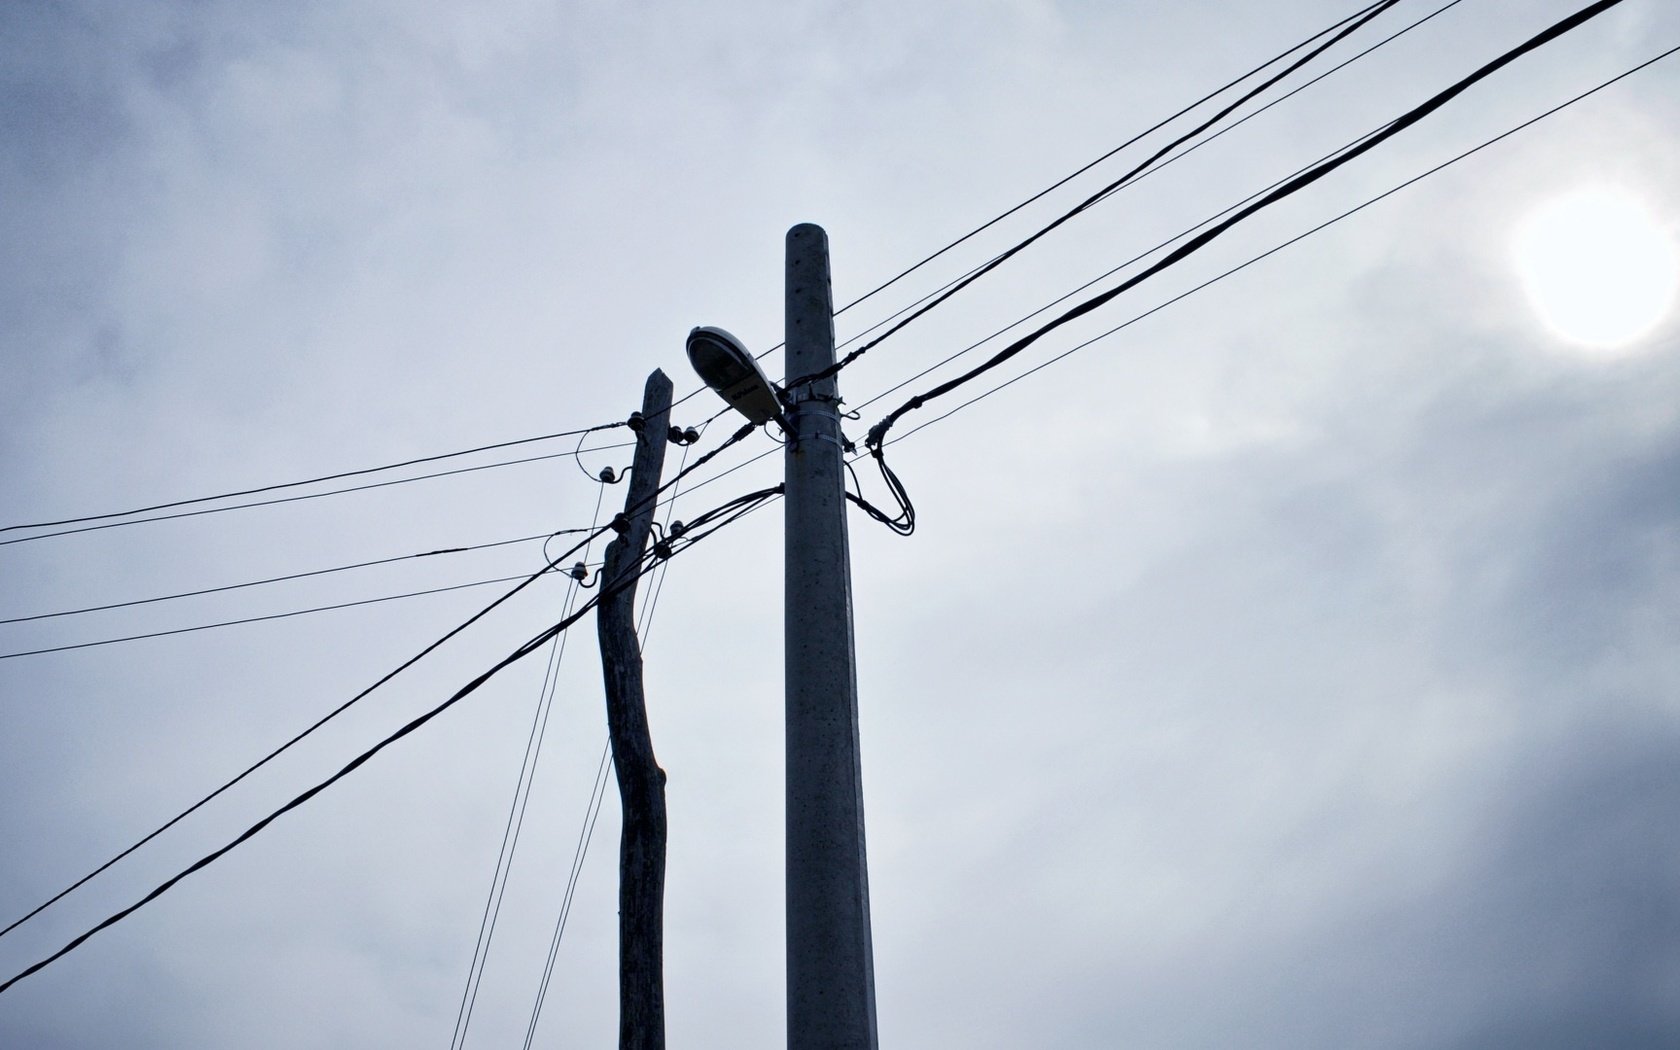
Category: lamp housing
<point>724,363</point>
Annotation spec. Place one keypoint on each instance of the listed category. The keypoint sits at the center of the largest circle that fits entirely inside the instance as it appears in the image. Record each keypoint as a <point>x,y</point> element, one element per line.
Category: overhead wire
<point>719,517</point>
<point>1058,184</point>
<point>306,496</point>
<point>989,223</point>
<point>310,481</point>
<point>735,438</point>
<point>1349,27</point>
<point>256,619</point>
<point>289,576</point>
<point>1154,170</point>
<point>878,432</point>
<point>1275,249</point>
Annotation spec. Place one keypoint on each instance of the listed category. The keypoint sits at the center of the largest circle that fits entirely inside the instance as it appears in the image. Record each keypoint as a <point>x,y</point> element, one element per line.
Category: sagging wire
<point>905,523</point>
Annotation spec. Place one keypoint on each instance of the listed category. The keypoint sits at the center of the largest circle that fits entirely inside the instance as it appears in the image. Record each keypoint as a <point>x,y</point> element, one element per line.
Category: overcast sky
<point>1292,669</point>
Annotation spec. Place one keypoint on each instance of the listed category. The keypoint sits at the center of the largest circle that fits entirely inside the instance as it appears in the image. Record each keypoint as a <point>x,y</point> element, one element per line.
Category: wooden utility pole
<point>641,783</point>
<point>830,959</point>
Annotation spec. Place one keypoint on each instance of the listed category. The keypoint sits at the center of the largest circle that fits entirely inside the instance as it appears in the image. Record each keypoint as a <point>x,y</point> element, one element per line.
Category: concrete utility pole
<point>830,959</point>
<point>641,783</point>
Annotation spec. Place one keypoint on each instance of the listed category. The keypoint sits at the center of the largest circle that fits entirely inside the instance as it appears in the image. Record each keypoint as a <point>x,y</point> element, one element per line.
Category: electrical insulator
<point>608,476</point>
<point>580,572</point>
<point>636,422</point>
<point>620,524</point>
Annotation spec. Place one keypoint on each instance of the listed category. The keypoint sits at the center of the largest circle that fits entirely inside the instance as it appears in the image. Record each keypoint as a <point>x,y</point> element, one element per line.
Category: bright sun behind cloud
<point>1597,266</point>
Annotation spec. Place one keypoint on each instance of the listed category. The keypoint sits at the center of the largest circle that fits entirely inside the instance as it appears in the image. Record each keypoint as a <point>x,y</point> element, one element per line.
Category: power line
<point>736,437</point>
<point>1369,10</point>
<point>323,720</point>
<point>1073,175</point>
<point>1156,169</point>
<point>308,481</point>
<point>878,432</point>
<point>1349,27</point>
<point>1295,240</point>
<point>727,512</point>
<point>312,495</point>
<point>289,576</point>
<point>257,619</point>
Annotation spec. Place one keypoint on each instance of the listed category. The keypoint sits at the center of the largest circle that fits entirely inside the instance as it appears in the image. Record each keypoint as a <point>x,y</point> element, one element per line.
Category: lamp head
<point>724,363</point>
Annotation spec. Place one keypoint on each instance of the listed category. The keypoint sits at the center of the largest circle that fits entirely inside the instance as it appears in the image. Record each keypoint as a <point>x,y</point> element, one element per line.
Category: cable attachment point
<point>683,436</point>
<point>636,422</point>
<point>676,529</point>
<point>620,524</point>
<point>578,572</point>
<point>661,550</point>
<point>610,476</point>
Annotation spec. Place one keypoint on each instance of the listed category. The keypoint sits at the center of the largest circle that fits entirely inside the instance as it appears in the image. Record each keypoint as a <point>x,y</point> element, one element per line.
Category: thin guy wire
<point>521,797</point>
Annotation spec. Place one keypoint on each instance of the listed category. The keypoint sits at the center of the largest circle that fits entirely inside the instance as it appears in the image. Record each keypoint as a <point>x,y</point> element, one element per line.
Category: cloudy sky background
<point>1292,669</point>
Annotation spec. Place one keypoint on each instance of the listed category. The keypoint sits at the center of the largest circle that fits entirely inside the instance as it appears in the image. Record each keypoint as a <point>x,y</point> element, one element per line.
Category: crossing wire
<point>1156,169</point>
<point>1096,198</point>
<point>723,516</point>
<point>733,439</point>
<point>1442,166</point>
<point>592,809</point>
<point>878,432</point>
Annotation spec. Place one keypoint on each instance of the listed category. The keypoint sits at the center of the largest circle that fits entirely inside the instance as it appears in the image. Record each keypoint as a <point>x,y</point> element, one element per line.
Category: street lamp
<point>724,363</point>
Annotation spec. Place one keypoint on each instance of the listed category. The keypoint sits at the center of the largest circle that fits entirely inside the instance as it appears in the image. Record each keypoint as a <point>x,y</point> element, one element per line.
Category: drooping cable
<point>307,481</point>
<point>878,432</point>
<point>728,512</point>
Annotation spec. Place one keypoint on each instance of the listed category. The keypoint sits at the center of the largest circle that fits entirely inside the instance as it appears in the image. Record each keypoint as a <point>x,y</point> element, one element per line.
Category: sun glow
<point>1597,266</point>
